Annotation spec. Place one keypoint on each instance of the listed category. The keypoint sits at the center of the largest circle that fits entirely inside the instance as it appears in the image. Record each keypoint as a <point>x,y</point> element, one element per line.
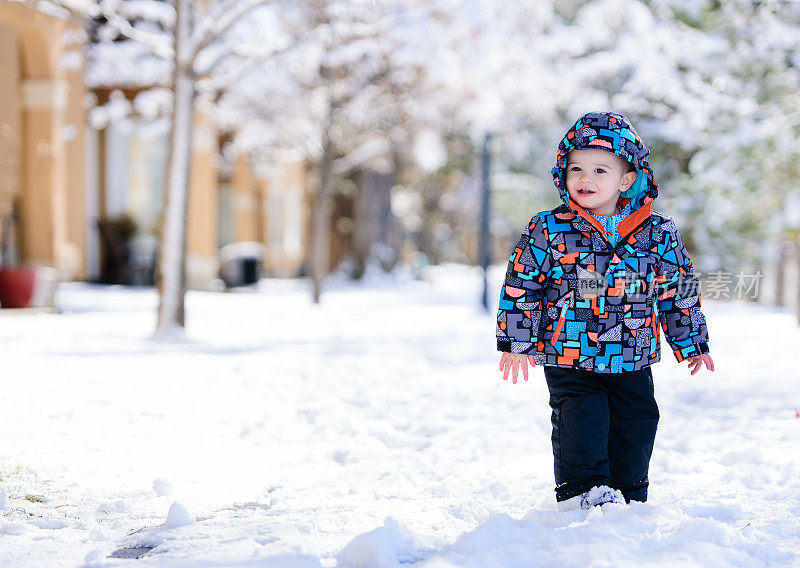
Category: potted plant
<point>115,238</point>
<point>17,282</point>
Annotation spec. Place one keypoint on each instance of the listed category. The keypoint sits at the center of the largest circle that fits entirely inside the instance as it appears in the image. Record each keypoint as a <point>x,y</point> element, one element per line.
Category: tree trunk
<point>321,224</point>
<point>427,243</point>
<point>371,217</point>
<point>780,272</point>
<point>797,283</point>
<point>758,269</point>
<point>363,223</point>
<point>172,257</point>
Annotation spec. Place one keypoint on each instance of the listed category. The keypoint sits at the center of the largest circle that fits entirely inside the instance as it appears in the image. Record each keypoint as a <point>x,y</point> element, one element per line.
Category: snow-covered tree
<point>351,100</point>
<point>405,89</point>
<point>711,86</point>
<point>195,49</point>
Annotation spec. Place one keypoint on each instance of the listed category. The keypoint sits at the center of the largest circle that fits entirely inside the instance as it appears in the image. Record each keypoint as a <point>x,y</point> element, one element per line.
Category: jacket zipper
<point>561,320</point>
<point>613,249</point>
<point>629,233</point>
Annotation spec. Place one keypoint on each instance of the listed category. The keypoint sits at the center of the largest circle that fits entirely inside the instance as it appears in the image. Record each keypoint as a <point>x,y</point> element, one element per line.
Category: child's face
<point>595,178</point>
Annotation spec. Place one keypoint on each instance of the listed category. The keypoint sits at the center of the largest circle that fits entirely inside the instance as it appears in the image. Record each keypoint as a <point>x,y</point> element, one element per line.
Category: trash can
<point>142,259</point>
<point>240,263</point>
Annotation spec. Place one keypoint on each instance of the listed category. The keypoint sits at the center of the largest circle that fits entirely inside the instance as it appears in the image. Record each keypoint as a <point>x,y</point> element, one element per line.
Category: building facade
<point>64,175</point>
<point>42,142</point>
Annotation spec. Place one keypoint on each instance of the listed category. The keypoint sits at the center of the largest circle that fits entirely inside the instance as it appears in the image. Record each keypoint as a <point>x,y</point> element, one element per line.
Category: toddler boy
<point>586,289</point>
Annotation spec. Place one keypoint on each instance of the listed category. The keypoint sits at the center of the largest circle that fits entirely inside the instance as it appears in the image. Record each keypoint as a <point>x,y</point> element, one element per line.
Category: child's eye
<point>600,171</point>
<point>574,169</point>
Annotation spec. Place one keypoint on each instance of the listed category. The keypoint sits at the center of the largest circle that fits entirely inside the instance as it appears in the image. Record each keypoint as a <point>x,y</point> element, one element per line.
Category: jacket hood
<point>611,132</point>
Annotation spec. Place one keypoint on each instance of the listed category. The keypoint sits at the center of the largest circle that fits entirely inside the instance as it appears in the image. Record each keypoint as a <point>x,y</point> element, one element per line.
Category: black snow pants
<point>604,427</point>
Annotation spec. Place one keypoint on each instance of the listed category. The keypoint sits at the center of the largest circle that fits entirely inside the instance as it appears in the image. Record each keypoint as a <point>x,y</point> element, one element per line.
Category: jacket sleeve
<point>523,289</point>
<point>678,291</point>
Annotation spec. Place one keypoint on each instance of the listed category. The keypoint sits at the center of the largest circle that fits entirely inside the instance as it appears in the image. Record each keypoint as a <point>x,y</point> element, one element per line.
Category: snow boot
<point>592,498</point>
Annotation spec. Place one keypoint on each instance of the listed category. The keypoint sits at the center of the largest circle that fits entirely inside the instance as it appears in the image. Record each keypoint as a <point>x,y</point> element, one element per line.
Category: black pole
<point>485,219</point>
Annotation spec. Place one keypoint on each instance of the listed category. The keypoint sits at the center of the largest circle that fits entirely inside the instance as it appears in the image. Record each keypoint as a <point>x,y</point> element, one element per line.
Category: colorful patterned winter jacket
<point>572,299</point>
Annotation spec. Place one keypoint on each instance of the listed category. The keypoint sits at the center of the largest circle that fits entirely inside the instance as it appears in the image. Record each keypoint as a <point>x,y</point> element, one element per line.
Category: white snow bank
<point>292,430</point>
<point>178,516</point>
<point>162,487</point>
<point>11,527</point>
<point>96,559</point>
<point>388,546</point>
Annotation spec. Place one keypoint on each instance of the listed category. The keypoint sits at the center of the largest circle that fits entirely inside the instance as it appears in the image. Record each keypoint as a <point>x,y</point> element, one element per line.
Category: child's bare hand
<point>512,362</point>
<point>696,362</point>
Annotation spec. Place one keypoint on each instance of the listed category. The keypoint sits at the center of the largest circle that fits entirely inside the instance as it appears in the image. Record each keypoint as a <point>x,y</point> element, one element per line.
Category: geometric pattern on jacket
<point>572,299</point>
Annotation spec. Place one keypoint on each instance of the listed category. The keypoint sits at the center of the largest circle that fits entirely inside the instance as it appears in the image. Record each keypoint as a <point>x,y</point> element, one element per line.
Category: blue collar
<point>611,222</point>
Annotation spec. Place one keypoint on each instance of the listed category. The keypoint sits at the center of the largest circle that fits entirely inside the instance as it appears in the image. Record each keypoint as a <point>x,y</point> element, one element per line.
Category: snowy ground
<point>373,430</point>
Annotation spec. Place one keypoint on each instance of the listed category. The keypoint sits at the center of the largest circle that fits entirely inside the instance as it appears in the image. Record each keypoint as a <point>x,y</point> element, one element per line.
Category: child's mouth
<point>584,191</point>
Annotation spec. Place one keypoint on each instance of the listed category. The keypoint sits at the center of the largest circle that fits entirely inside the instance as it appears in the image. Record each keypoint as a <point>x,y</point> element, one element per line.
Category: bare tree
<point>352,99</point>
<point>203,64</point>
<point>190,41</point>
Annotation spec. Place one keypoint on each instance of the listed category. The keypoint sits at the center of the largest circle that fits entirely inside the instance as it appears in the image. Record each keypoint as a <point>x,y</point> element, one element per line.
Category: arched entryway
<point>42,154</point>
